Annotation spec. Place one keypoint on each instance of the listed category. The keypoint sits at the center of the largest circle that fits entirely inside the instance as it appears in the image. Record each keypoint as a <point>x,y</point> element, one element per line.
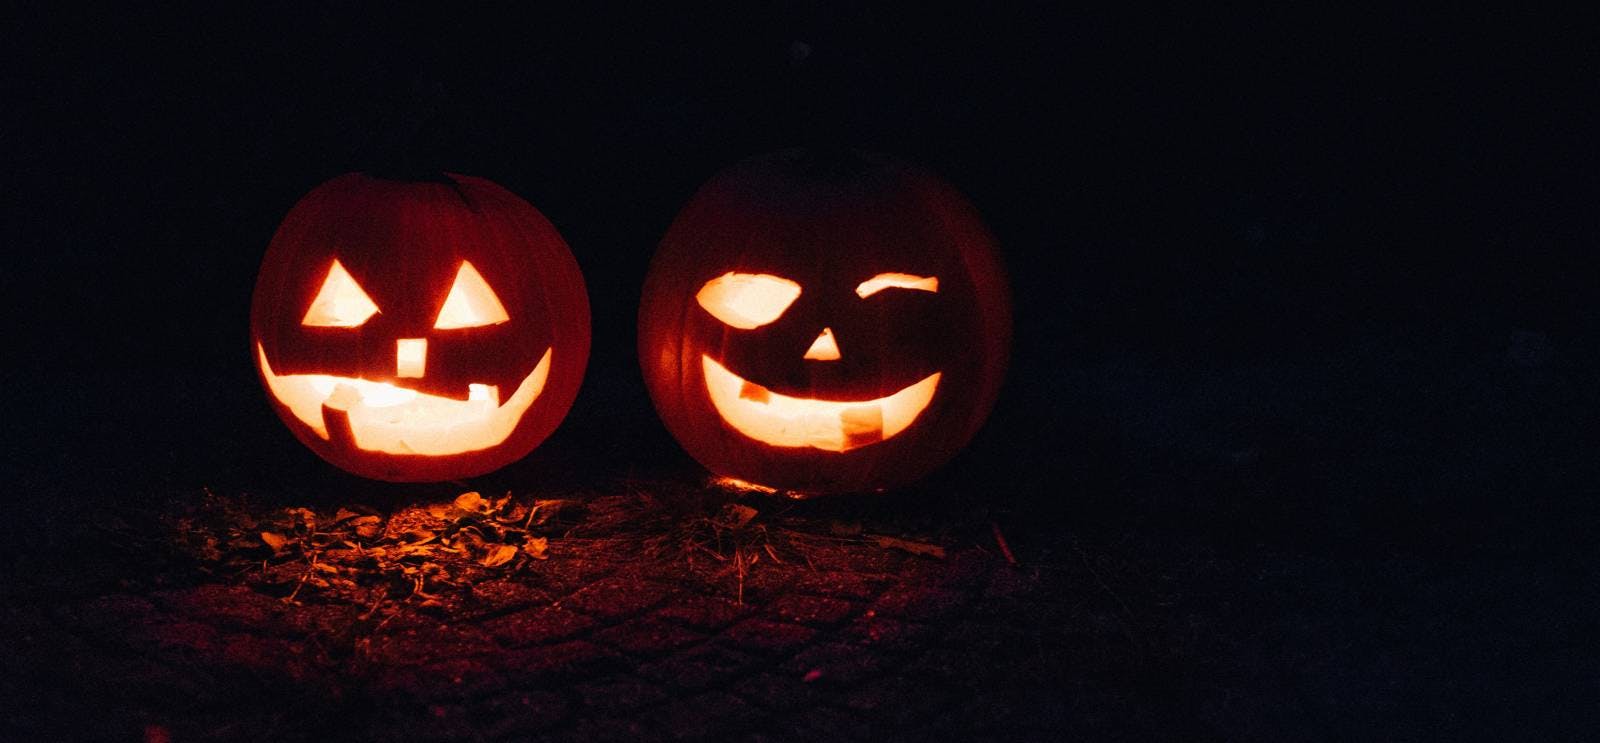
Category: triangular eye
<point>340,303</point>
<point>471,302</point>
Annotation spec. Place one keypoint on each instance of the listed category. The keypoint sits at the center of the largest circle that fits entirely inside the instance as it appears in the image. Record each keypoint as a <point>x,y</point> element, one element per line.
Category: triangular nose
<point>823,348</point>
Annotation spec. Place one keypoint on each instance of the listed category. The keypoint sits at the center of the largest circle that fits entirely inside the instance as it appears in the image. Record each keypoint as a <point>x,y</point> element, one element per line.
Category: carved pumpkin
<point>419,330</point>
<point>825,322</point>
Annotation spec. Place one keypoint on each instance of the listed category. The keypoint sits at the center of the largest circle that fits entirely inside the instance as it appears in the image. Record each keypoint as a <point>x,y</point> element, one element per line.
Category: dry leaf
<point>535,547</point>
<point>471,502</point>
<point>742,486</point>
<point>276,541</point>
<point>845,528</point>
<point>915,548</point>
<point>735,515</point>
<point>302,515</point>
<point>470,538</point>
<point>544,510</point>
<point>499,554</point>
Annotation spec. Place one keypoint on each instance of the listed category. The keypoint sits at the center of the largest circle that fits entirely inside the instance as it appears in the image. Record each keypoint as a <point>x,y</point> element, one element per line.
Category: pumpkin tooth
<point>490,392</point>
<point>861,425</point>
<point>337,423</point>
<point>839,426</point>
<point>754,392</point>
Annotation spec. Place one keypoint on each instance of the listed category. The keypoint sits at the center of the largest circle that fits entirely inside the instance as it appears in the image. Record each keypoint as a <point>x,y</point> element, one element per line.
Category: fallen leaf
<point>470,538</point>
<point>513,515</point>
<point>471,502</point>
<point>303,516</point>
<point>535,547</point>
<point>845,528</point>
<point>906,545</point>
<point>418,536</point>
<point>742,486</point>
<point>735,515</point>
<point>341,555</point>
<point>418,552</point>
<point>276,541</point>
<point>499,554</point>
<point>544,510</point>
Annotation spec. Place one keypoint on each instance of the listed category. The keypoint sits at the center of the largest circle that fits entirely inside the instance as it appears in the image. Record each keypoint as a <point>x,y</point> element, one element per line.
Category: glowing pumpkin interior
<point>747,301</point>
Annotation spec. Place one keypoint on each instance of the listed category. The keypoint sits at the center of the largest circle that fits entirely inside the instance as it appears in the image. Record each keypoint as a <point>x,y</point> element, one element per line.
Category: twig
<point>1127,613</point>
<point>382,593</point>
<point>312,566</point>
<point>1000,539</point>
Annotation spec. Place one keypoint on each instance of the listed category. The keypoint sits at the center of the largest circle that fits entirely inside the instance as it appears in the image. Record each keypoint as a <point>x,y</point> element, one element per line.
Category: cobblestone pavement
<point>1134,636</point>
<point>600,642</point>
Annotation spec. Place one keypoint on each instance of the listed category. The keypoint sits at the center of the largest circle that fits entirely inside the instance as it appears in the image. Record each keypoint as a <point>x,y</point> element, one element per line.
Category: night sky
<point>1278,279</point>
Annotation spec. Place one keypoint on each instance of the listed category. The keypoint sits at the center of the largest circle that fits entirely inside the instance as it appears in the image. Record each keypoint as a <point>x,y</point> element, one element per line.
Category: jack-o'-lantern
<point>825,322</point>
<point>419,330</point>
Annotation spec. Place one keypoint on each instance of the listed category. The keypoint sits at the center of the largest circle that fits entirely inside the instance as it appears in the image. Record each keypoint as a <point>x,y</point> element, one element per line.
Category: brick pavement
<point>602,641</point>
<point>1136,634</point>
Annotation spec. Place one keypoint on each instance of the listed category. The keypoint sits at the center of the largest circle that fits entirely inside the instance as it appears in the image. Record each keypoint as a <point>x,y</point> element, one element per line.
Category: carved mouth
<point>829,425</point>
<point>383,417</point>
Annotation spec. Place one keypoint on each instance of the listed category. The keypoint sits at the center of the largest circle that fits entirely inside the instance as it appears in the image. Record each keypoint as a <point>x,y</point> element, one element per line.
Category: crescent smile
<point>829,425</point>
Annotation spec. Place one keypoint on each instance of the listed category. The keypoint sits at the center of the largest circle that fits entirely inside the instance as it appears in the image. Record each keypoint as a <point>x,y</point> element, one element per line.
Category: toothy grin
<point>829,425</point>
<point>387,418</point>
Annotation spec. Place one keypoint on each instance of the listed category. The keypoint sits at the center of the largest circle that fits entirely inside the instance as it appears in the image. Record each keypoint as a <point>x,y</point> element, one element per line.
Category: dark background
<point>1319,285</point>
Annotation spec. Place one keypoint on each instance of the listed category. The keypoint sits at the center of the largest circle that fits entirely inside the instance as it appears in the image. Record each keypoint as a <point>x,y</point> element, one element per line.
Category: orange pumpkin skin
<point>827,222</point>
<point>403,245</point>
